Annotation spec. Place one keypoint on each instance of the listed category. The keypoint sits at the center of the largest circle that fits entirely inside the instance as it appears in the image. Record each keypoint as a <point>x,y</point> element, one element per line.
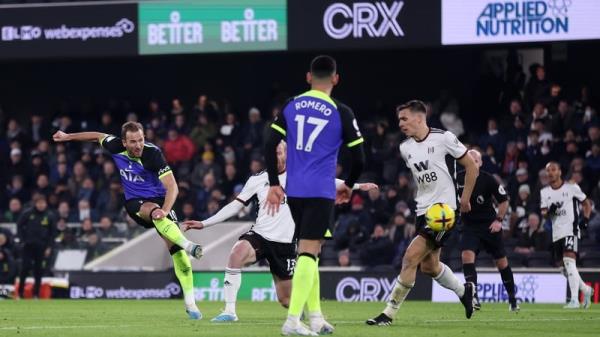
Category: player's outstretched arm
<point>223,214</point>
<point>365,187</point>
<point>471,173</point>
<point>60,136</point>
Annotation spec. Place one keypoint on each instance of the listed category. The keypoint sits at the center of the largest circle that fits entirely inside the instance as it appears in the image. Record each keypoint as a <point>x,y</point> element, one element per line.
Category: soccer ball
<point>440,217</point>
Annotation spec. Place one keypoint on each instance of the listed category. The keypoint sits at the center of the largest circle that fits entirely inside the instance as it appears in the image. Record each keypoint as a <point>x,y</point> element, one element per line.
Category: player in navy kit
<point>150,192</point>
<point>314,126</point>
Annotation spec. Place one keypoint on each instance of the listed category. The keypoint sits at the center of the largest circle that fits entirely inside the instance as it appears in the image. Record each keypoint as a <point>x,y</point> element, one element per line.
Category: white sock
<point>231,286</point>
<point>572,277</point>
<point>397,297</point>
<point>187,245</point>
<point>448,280</point>
<point>189,299</point>
<point>293,319</point>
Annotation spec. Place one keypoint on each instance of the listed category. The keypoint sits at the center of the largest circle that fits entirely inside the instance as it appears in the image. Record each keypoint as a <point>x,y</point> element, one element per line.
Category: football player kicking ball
<point>150,192</point>
<point>560,203</point>
<point>271,237</point>
<point>431,155</point>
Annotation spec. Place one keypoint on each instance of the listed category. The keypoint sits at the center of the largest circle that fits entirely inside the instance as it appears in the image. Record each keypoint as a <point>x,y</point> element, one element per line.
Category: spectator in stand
<point>76,179</point>
<point>176,107</point>
<point>67,238</point>
<point>538,87</point>
<point>64,212</point>
<point>376,206</point>
<point>181,125</point>
<point>88,191</point>
<point>94,246</point>
<point>207,165</point>
<point>379,250</point>
<point>494,138</point>
<point>108,173</point>
<point>15,207</point>
<point>344,258</point>
<point>17,165</point>
<point>107,125</point>
<point>110,200</point>
<point>107,228</point>
<point>38,165</point>
<point>229,133</point>
<point>203,195</point>
<point>230,180</point>
<point>563,119</point>
<point>532,237</point>
<point>87,228</point>
<point>253,131</point>
<point>84,211</point>
<point>15,133</point>
<point>203,131</point>
<point>17,189</point>
<point>38,129</point>
<point>179,149</point>
<point>515,108</point>
<point>188,212</point>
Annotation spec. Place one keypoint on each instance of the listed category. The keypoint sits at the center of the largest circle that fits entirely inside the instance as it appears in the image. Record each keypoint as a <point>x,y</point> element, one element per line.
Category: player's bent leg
<point>444,276</point>
<point>284,291</point>
<point>242,254</point>
<point>470,272</point>
<point>183,271</point>
<point>414,254</point>
<point>169,230</point>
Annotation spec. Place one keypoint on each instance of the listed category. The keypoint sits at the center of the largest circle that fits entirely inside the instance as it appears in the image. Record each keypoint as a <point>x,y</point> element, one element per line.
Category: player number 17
<point>319,126</point>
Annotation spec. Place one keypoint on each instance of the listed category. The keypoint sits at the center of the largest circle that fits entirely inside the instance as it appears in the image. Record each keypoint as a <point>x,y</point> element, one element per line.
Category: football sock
<point>572,277</point>
<point>231,286</point>
<point>397,296</point>
<point>448,280</point>
<point>470,273</point>
<point>313,302</point>
<point>509,282</point>
<point>171,232</point>
<point>183,271</point>
<point>303,280</point>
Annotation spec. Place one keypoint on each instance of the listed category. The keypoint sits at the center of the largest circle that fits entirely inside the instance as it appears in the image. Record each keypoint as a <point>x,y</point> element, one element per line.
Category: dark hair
<point>131,127</point>
<point>323,66</point>
<point>414,106</point>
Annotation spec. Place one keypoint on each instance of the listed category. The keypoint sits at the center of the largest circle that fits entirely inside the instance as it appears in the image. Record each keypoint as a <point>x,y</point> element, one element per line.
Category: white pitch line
<point>43,327</point>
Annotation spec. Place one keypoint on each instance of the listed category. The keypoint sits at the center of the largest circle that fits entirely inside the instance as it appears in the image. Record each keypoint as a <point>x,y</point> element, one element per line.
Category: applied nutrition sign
<point>172,27</point>
<point>485,21</point>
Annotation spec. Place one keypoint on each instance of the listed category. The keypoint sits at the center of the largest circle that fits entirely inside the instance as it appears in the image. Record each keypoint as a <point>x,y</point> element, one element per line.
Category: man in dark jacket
<point>36,230</point>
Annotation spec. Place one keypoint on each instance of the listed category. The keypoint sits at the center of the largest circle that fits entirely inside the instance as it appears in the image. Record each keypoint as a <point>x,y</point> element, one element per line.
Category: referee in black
<point>482,229</point>
<point>36,230</point>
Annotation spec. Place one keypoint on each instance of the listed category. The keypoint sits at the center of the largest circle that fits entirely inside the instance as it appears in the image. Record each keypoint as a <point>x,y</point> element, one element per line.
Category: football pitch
<point>167,318</point>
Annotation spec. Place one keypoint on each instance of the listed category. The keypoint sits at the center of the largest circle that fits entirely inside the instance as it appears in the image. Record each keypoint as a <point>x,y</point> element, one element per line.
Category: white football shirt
<point>278,228</point>
<point>568,197</point>
<point>432,162</point>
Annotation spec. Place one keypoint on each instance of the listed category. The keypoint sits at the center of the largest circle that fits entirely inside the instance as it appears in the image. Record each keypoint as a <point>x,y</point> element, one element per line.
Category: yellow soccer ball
<point>440,217</point>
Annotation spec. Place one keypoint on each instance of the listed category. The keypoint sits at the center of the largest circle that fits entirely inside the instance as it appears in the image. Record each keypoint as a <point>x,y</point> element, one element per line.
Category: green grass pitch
<point>109,318</point>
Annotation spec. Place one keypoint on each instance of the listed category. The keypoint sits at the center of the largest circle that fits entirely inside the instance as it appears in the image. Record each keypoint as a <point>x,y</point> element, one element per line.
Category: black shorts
<point>281,256</point>
<point>434,238</point>
<point>313,217</point>
<point>478,239</point>
<point>132,206</point>
<point>566,244</point>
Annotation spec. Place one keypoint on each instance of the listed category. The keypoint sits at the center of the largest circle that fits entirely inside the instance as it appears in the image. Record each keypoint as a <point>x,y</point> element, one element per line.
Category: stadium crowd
<point>213,149</point>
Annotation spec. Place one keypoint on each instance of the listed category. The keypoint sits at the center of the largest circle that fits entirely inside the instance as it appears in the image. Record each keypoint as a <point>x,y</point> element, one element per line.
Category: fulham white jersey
<point>278,228</point>
<point>432,162</point>
<point>567,197</point>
